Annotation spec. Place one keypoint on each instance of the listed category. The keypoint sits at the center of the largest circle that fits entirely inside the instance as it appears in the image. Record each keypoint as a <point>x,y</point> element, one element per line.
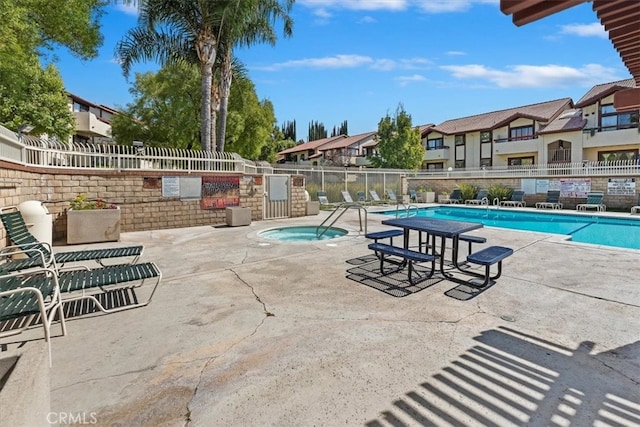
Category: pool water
<point>598,230</point>
<point>302,234</point>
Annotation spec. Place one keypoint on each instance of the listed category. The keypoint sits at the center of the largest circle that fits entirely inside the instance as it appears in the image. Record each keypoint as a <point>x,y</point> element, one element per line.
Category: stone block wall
<point>137,193</point>
<point>598,183</point>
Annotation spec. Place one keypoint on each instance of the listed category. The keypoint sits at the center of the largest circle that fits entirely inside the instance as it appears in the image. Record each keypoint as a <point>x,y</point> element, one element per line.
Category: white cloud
<point>337,61</point>
<point>367,20</point>
<point>127,8</point>
<point>585,30</point>
<point>455,53</point>
<point>356,4</point>
<point>350,61</point>
<point>405,80</point>
<point>429,6</point>
<point>533,76</point>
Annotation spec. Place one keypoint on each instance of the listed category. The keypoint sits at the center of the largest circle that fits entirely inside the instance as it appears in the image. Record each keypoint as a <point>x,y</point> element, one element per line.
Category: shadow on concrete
<point>511,378</point>
<point>396,284</point>
<point>112,299</point>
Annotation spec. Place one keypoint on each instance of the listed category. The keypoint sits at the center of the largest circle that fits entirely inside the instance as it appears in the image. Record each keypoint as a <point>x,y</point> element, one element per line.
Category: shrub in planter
<point>92,221</point>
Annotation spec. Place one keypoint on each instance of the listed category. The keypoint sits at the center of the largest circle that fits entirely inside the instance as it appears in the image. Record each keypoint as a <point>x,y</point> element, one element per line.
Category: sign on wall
<point>575,187</point>
<point>218,192</point>
<point>621,186</point>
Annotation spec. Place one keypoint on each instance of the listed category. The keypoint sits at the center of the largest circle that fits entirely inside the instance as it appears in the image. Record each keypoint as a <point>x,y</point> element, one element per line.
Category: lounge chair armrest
<point>10,251</point>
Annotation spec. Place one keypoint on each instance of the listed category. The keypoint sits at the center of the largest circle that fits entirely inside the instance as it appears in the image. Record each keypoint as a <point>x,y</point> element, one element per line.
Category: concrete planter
<point>93,226</point>
<point>427,196</point>
<point>237,216</point>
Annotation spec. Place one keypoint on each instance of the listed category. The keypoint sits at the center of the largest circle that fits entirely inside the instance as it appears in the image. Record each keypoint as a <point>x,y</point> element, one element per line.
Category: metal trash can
<point>38,219</point>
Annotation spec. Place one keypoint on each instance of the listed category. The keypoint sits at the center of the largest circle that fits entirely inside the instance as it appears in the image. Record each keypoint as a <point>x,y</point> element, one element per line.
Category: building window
<point>435,166</point>
<point>622,155</point>
<point>610,119</point>
<point>520,161</point>
<point>459,139</point>
<point>460,164</point>
<point>520,133</point>
<point>459,156</point>
<point>486,152</point>
<point>78,108</point>
<point>485,136</point>
<point>435,144</point>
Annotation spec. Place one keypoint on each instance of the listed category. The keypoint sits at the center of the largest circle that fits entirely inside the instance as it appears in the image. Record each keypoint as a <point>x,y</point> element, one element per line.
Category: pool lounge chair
<point>552,201</point>
<point>346,196</point>
<point>375,199</point>
<point>96,284</point>
<point>455,197</point>
<point>40,254</point>
<point>413,196</point>
<point>391,195</point>
<point>362,198</point>
<point>517,200</point>
<point>481,199</point>
<point>636,209</point>
<point>23,296</point>
<point>594,201</point>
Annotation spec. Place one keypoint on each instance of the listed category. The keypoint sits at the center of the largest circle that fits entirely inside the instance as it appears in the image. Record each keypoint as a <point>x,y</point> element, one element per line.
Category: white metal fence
<point>36,151</point>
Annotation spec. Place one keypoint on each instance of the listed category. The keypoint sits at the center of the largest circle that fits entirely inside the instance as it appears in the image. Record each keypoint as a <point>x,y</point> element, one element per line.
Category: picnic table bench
<point>488,257</point>
<point>408,256</point>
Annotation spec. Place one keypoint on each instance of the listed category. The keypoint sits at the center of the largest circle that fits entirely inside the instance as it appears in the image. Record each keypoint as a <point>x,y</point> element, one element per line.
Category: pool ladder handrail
<point>345,206</point>
<point>407,209</point>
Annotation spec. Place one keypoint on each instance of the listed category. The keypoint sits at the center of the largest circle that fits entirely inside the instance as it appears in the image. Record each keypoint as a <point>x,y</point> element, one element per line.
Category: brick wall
<point>138,193</point>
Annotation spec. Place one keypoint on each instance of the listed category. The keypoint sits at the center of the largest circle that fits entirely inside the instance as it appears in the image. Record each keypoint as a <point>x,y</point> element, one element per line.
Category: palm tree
<point>251,22</point>
<point>192,31</point>
<point>178,30</point>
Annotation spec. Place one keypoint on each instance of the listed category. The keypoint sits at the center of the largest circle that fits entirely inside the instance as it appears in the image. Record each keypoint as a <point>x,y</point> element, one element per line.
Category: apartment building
<point>93,121</point>
<point>549,132</point>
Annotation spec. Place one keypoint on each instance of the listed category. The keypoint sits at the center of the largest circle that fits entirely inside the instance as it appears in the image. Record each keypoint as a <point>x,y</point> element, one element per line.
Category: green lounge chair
<point>636,209</point>
<point>517,200</point>
<point>455,197</point>
<point>552,201</point>
<point>82,282</point>
<point>40,254</point>
<point>26,295</point>
<point>481,199</point>
<point>594,201</point>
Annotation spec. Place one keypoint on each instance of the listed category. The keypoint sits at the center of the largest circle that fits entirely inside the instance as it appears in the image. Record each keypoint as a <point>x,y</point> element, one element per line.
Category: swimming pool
<point>597,230</point>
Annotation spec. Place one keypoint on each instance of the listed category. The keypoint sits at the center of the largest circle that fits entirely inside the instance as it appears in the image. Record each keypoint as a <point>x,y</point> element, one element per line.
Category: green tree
<point>250,121</point>
<point>399,145</point>
<point>29,92</point>
<point>165,109</point>
<point>289,130</point>
<point>316,131</point>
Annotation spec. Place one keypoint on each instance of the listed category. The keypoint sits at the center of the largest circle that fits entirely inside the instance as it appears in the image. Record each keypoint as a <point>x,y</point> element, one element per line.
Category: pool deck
<point>248,332</point>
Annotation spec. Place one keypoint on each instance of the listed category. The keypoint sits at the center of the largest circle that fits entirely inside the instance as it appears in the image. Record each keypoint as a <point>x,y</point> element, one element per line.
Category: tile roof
<point>600,91</point>
<point>543,112</point>
<point>348,141</point>
<point>311,145</point>
<point>569,120</point>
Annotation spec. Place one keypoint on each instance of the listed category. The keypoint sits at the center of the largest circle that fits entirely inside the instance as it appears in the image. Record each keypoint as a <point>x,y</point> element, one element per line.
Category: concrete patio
<point>248,332</point>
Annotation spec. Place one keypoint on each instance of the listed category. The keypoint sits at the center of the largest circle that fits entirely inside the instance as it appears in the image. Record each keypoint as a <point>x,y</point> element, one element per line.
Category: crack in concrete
<point>211,359</point>
<point>264,306</point>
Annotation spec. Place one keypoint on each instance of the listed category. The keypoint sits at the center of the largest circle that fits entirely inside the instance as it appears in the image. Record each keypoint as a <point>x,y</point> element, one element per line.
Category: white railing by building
<point>49,152</point>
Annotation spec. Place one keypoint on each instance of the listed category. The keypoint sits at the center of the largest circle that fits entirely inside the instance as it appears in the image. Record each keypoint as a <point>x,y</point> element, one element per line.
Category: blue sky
<point>358,60</point>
